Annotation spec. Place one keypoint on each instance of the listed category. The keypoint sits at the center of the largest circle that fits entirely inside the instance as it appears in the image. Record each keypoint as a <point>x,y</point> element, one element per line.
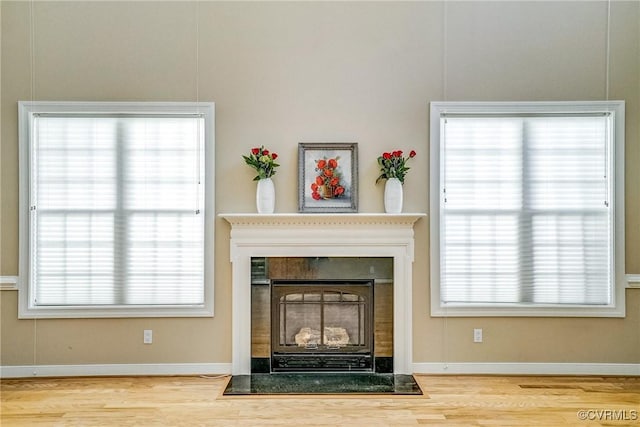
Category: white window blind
<point>526,209</point>
<point>117,209</point>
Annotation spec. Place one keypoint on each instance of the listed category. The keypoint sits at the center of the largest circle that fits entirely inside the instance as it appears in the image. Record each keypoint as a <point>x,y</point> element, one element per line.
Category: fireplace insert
<point>322,325</point>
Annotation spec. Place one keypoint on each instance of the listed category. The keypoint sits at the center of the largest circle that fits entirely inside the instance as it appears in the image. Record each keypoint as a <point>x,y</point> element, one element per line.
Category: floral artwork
<point>327,177</point>
<point>327,184</point>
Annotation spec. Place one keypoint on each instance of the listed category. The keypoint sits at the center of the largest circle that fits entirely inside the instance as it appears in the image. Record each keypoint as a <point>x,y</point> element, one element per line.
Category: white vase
<point>265,196</point>
<point>393,196</point>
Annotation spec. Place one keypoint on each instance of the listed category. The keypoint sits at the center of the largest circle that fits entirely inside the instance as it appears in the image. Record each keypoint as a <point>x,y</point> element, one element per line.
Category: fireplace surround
<point>321,235</point>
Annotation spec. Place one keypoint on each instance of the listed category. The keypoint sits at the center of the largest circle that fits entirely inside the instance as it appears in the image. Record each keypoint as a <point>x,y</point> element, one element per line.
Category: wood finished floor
<point>198,401</point>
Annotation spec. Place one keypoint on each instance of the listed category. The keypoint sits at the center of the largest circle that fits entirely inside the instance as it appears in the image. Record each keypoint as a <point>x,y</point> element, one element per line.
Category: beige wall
<point>281,73</point>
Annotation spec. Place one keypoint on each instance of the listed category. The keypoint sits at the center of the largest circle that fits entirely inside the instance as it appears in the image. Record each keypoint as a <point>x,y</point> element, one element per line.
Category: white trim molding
<point>629,369</point>
<point>25,371</point>
<point>633,280</point>
<point>322,235</point>
<point>9,283</point>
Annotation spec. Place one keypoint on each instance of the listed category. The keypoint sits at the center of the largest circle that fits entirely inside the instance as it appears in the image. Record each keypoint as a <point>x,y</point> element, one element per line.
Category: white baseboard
<point>629,369</point>
<point>115,369</point>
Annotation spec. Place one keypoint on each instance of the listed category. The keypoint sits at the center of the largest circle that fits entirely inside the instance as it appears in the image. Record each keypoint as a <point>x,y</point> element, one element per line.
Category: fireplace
<point>319,236</point>
<point>322,325</point>
<point>304,319</point>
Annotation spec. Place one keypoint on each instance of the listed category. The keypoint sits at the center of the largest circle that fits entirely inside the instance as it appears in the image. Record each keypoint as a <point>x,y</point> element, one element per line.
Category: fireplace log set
<point>332,337</point>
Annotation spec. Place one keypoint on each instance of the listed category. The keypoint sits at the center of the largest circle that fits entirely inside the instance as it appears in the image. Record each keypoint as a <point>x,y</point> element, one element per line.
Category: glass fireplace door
<point>322,317</point>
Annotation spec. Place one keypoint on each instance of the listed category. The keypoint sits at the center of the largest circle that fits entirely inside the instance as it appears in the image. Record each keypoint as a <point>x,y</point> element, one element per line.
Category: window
<point>116,209</point>
<point>527,214</point>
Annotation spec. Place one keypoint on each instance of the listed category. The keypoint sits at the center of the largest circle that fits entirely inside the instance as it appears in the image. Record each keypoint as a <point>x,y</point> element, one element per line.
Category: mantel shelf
<point>300,219</point>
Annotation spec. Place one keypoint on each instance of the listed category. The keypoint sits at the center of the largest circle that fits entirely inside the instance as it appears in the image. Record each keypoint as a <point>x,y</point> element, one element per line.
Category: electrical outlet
<point>147,336</point>
<point>477,335</point>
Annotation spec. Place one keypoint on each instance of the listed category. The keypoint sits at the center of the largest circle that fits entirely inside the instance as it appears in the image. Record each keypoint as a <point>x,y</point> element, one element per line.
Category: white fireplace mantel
<point>324,235</point>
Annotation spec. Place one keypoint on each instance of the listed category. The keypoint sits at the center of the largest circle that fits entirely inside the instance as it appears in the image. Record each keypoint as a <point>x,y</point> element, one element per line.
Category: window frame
<point>27,110</point>
<point>616,308</point>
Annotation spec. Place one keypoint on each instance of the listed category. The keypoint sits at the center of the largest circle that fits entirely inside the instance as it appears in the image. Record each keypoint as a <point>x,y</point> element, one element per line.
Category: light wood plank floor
<point>197,401</point>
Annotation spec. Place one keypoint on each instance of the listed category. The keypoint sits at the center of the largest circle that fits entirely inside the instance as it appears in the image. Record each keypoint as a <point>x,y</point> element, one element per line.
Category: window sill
<point>114,312</point>
<point>470,310</point>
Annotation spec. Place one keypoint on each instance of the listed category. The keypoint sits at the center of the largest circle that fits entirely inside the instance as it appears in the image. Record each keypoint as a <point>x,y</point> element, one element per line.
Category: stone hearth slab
<point>322,383</point>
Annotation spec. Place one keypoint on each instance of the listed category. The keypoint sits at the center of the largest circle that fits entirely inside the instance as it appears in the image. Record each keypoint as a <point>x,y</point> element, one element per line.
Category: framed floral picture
<point>327,177</point>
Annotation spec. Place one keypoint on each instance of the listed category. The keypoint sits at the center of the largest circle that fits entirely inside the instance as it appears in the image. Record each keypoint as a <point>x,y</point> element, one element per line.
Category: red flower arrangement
<point>263,162</point>
<point>327,183</point>
<point>392,165</point>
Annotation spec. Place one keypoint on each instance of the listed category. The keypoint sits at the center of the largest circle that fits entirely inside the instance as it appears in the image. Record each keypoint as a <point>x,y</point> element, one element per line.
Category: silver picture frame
<point>328,177</point>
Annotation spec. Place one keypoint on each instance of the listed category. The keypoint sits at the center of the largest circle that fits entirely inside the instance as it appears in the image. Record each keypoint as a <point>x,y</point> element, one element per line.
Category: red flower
<point>314,187</point>
<point>334,182</point>
<point>263,162</point>
<point>320,180</point>
<point>328,172</point>
<point>333,163</point>
<point>338,191</point>
<point>393,165</point>
<point>322,164</point>
<point>315,195</point>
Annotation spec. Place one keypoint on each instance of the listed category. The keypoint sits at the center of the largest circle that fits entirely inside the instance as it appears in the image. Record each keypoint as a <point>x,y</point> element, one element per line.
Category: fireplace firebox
<point>322,325</point>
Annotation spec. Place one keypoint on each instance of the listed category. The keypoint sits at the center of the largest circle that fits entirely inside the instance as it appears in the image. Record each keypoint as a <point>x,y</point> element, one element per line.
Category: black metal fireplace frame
<point>322,358</point>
